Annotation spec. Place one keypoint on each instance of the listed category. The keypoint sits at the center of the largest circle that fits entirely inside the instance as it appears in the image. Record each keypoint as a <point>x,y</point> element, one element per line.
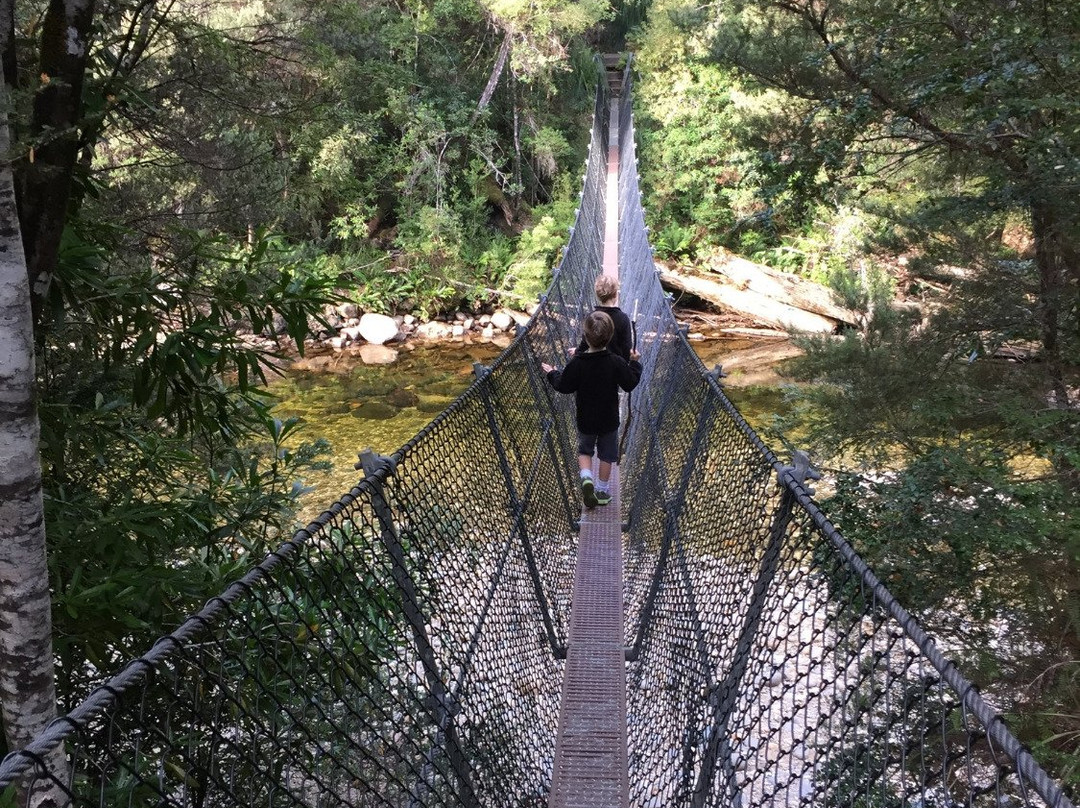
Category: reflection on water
<point>356,406</point>
<point>759,404</point>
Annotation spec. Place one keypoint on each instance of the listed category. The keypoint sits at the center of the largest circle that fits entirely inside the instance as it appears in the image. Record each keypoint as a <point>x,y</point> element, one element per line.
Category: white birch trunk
<point>27,688</point>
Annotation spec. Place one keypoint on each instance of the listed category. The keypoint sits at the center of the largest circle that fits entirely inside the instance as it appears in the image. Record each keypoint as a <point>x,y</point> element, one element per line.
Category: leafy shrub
<point>538,250</point>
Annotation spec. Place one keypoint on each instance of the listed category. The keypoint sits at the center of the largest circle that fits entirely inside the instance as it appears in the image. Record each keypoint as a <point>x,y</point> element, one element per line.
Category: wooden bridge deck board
<point>590,751</point>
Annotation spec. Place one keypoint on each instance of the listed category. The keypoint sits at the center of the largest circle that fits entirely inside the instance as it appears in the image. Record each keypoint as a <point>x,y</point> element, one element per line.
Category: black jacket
<point>596,379</point>
<point>621,341</point>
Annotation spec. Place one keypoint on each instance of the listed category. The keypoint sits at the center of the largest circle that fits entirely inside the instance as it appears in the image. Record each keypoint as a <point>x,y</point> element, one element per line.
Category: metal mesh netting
<point>405,649</point>
<point>770,666</point>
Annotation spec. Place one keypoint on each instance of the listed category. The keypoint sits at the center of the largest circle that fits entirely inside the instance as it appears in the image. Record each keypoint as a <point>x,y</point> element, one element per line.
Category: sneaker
<point>588,494</point>
<point>603,497</point>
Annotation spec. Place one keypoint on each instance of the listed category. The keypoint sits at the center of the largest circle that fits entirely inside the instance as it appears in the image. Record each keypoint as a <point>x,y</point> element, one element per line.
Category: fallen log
<point>784,287</point>
<point>764,309</point>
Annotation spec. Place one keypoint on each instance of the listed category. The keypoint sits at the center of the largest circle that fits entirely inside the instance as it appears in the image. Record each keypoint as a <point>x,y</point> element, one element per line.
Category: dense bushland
<point>188,173</point>
<point>193,171</point>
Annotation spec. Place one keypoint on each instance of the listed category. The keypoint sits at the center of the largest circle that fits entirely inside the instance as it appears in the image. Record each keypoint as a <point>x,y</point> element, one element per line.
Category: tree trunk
<point>781,286</point>
<point>1053,251</point>
<point>1050,251</point>
<point>45,179</point>
<point>515,182</point>
<point>7,36</point>
<point>27,687</point>
<point>493,79</point>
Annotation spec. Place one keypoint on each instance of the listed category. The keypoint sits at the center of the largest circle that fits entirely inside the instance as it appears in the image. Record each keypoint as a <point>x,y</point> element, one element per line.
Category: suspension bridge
<point>456,631</point>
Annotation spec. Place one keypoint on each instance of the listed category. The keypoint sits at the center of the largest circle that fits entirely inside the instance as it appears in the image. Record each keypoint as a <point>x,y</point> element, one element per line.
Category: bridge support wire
<point>377,468</point>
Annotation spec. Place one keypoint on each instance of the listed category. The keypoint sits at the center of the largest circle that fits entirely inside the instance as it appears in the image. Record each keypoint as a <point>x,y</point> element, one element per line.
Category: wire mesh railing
<point>769,665</point>
<point>405,649</point>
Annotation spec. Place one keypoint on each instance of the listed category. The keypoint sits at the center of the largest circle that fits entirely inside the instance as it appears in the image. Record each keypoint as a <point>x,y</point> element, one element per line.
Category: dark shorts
<point>606,445</point>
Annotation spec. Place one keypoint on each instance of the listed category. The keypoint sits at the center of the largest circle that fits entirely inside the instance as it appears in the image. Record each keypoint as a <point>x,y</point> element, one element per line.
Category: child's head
<point>607,289</point>
<point>598,329</point>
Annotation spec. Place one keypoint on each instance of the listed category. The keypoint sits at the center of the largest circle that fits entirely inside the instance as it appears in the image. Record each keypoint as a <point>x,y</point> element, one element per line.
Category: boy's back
<point>595,377</point>
<point>607,293</point>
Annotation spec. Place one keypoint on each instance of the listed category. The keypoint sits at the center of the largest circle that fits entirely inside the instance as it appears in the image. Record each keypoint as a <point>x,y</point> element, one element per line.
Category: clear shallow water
<point>356,406</point>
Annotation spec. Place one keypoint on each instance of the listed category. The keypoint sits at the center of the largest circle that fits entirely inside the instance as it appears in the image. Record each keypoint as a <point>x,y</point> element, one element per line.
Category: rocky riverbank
<point>346,336</point>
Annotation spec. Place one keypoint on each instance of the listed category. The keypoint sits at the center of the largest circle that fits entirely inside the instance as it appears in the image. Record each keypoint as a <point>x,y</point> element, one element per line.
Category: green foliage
<point>164,473</point>
<point>953,487</point>
<point>538,251</point>
<point>724,162</point>
<point>864,292</point>
<point>245,166</point>
<point>930,150</point>
<point>144,526</point>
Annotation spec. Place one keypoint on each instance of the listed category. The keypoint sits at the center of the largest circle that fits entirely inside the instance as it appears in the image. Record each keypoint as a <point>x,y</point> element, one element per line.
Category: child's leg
<point>586,447</point>
<point>585,465</point>
<point>607,450</point>
<point>605,474</point>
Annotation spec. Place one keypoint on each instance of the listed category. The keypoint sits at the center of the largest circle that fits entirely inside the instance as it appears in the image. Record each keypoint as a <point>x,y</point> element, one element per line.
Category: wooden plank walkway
<point>590,751</point>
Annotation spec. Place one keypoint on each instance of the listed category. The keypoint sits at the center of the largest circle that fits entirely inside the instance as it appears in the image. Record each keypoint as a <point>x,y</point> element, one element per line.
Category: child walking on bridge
<point>595,376</point>
<point>607,292</point>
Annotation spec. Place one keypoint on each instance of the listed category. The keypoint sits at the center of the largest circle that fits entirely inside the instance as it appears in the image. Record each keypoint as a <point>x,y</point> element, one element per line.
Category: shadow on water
<point>355,406</point>
<point>754,386</point>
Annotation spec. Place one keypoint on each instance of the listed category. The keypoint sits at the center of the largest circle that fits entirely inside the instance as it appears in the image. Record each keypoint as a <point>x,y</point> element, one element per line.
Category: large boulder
<point>433,330</point>
<point>377,328</point>
<point>377,355</point>
<point>502,320</point>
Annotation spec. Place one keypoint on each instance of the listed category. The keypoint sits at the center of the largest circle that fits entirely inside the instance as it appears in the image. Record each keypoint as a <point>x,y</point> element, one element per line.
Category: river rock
<point>432,406</point>
<point>400,397</point>
<point>348,310</point>
<point>377,328</point>
<point>374,411</point>
<point>377,355</point>
<point>433,330</point>
<point>502,320</point>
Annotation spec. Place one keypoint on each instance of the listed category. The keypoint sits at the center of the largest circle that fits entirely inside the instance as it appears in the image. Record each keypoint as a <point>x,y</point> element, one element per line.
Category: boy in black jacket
<point>595,376</point>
